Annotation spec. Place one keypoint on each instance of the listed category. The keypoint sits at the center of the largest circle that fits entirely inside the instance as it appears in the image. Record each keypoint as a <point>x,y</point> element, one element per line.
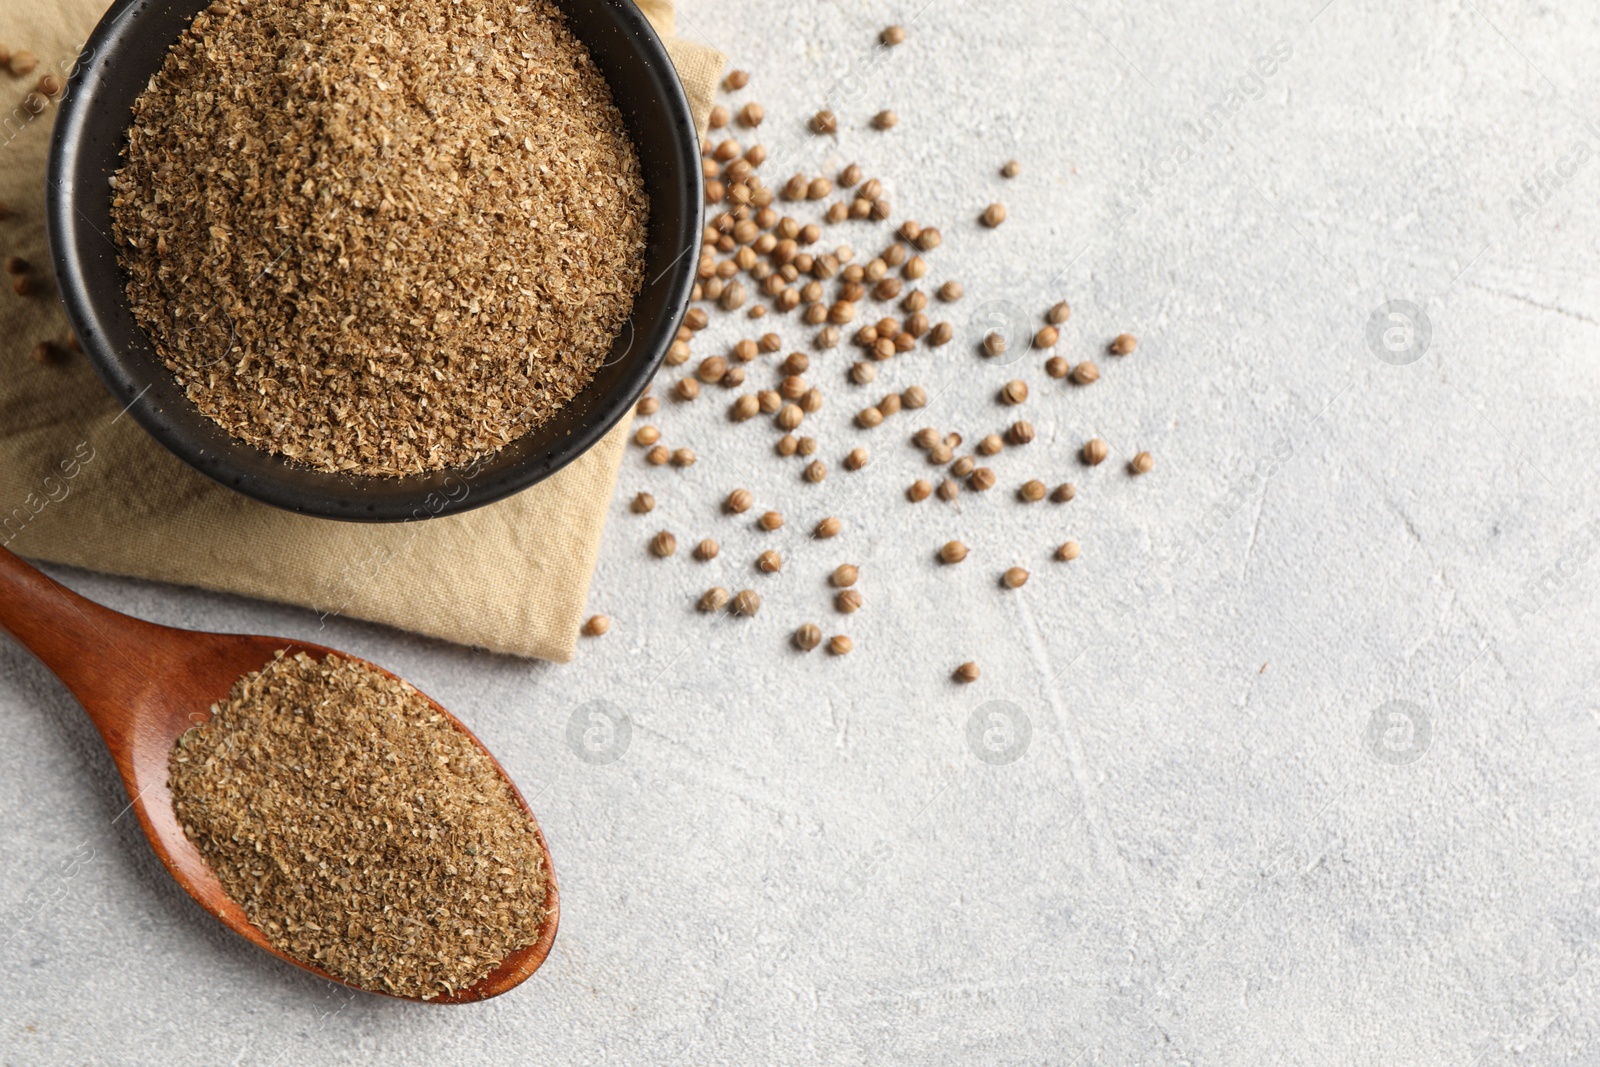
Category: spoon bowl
<point>144,685</point>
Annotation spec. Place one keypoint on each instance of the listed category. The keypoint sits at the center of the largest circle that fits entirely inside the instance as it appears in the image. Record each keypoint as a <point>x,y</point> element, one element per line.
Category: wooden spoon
<point>144,685</point>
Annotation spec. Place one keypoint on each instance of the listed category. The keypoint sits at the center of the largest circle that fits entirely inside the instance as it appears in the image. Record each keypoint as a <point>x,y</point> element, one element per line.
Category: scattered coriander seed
<point>847,601</point>
<point>1064,492</point>
<point>718,117</point>
<point>1143,463</point>
<point>856,459</point>
<point>796,363</point>
<point>738,501</point>
<point>818,189</point>
<point>770,342</point>
<point>1046,337</point>
<point>929,239</point>
<point>940,454</point>
<point>597,625</point>
<point>1011,169</point>
<point>840,645</point>
<point>769,562</point>
<point>1015,391</point>
<point>706,550</point>
<point>952,552</point>
<point>941,334</point>
<point>806,446</point>
<point>827,337</point>
<point>696,319</point>
<point>811,401</point>
<point>1020,433</point>
<point>769,400</point>
<point>686,389</point>
<point>869,417</point>
<point>982,479</point>
<point>845,575</point>
<point>990,444</point>
<point>994,215</point>
<point>885,120</point>
<point>1032,491</point>
<point>994,343</point>
<point>1095,452</point>
<point>890,404</point>
<point>683,457</point>
<point>915,269</point>
<point>963,466</point>
<point>1058,366</point>
<point>714,599</point>
<point>824,122</point>
<point>746,407</point>
<point>1085,373</point>
<point>920,490</point>
<point>23,63</point>
<point>951,291</point>
<point>1123,344</point>
<point>927,437</point>
<point>862,373</point>
<point>816,471</point>
<point>807,637</point>
<point>850,177</point>
<point>828,527</point>
<point>1058,314</point>
<point>790,416</point>
<point>746,602</point>
<point>663,544</point>
<point>770,520</point>
<point>1067,552</point>
<point>1014,578</point>
<point>788,445</point>
<point>967,673</point>
<point>643,504</point>
<point>949,489</point>
<point>952,440</point>
<point>647,405</point>
<point>751,115</point>
<point>893,35</point>
<point>914,396</point>
<point>736,80</point>
<point>658,455</point>
<point>646,436</point>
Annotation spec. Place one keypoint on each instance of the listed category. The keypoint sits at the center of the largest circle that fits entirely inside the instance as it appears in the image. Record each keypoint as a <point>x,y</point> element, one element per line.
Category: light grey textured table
<point>1206,853</point>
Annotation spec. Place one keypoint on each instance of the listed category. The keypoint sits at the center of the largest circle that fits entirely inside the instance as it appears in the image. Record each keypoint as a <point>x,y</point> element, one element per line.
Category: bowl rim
<point>432,494</point>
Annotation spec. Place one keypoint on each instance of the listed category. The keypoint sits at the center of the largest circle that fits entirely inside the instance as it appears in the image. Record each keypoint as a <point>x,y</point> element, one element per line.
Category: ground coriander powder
<point>381,239</point>
<point>359,829</point>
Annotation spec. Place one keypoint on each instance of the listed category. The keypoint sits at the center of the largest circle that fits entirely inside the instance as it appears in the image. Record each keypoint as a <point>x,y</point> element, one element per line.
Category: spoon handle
<point>100,654</point>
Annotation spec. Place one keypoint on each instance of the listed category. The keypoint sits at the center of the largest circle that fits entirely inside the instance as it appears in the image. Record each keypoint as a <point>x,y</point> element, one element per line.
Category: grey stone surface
<point>1207,852</point>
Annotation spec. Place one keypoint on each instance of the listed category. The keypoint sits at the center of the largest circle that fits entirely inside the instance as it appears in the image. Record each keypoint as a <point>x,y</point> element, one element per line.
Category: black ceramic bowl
<point>128,47</point>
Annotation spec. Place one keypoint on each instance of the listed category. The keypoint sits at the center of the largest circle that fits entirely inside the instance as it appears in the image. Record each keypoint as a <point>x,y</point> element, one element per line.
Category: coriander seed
<point>806,446</point>
<point>1143,463</point>
<point>893,35</point>
<point>845,575</point>
<point>788,445</point>
<point>648,405</point>
<point>929,239</point>
<point>1014,578</point>
<point>824,122</point>
<point>658,455</point>
<point>738,501</point>
<point>885,120</point>
<point>1011,169</point>
<point>1046,337</point>
<point>994,343</point>
<point>1058,366</point>
<point>1015,392</point>
<point>663,544</point>
<point>646,436</point>
<point>828,527</point>
<point>816,471</point>
<point>915,396</point>
<point>967,673</point>
<point>1123,344</point>
<point>718,117</point>
<point>736,80</point>
<point>1032,491</point>
<point>869,417</point>
<point>746,407</point>
<point>1020,433</point>
<point>714,599</point>
<point>769,562</point>
<point>951,291</point>
<point>949,489</point>
<point>963,466</point>
<point>1085,373</point>
<point>953,552</point>
<point>746,602</point>
<point>706,550</point>
<point>711,368</point>
<point>920,490</point>
<point>1067,552</point>
<point>683,457</point>
<point>790,416</point>
<point>1095,452</point>
<point>1058,314</point>
<point>751,115</point>
<point>927,437</point>
<point>940,454</point>
<point>847,601</point>
<point>890,404</point>
<point>982,480</point>
<point>850,177</point>
<point>863,373</point>
<point>994,215</point>
<point>856,459</point>
<point>596,626</point>
<point>770,520</point>
<point>990,445</point>
<point>840,645</point>
<point>807,637</point>
<point>941,334</point>
<point>1064,492</point>
<point>643,504</point>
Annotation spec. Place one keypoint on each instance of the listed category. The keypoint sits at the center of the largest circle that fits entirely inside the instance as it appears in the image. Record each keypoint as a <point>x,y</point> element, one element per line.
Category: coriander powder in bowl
<point>373,261</point>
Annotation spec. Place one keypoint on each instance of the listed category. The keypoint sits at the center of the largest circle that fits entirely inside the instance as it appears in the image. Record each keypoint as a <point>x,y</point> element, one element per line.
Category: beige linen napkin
<point>82,484</point>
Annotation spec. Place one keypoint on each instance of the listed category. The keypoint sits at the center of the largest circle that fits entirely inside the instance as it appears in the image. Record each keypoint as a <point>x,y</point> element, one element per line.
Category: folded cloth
<point>84,485</point>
